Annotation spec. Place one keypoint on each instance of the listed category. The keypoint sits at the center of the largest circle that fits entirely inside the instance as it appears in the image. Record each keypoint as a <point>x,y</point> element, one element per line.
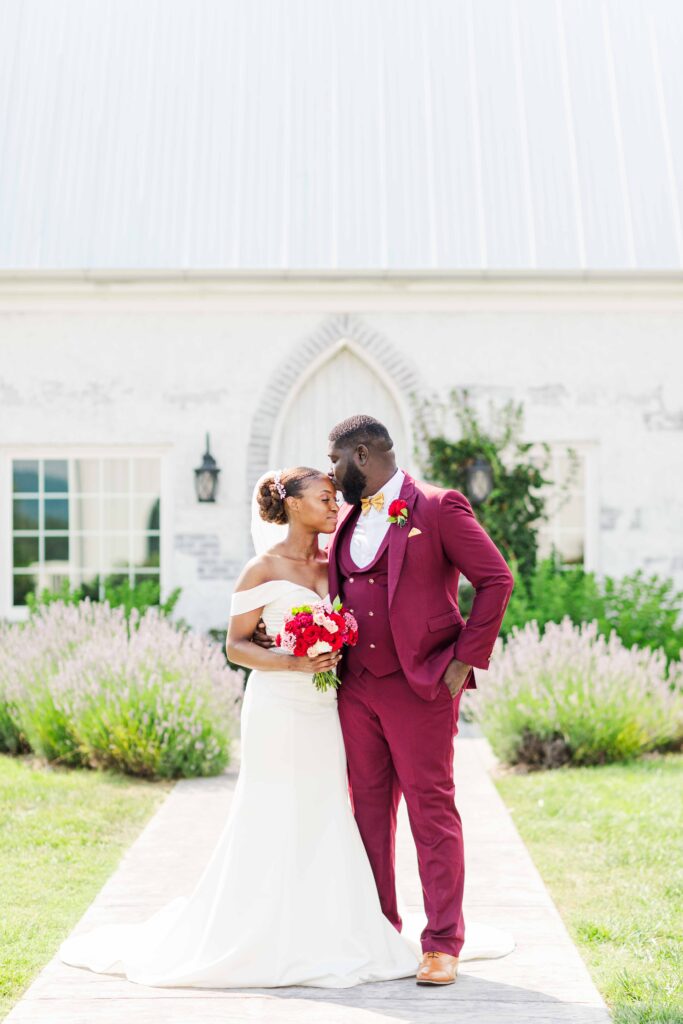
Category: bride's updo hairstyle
<point>271,500</point>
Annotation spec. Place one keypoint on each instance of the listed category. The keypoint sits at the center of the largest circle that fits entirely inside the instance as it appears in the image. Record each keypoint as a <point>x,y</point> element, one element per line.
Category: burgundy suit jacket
<point>426,624</point>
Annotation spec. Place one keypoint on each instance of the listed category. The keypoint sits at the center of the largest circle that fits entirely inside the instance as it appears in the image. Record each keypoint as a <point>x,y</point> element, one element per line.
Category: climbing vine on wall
<point>450,437</point>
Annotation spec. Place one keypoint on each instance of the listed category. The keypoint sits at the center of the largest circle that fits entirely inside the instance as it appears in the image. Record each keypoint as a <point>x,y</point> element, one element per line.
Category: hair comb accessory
<point>278,483</point>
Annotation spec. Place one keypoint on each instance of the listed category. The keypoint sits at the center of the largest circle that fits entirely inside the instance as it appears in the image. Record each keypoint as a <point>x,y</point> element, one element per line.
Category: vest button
<point>371,581</point>
<point>371,613</point>
<point>350,579</point>
<point>372,645</point>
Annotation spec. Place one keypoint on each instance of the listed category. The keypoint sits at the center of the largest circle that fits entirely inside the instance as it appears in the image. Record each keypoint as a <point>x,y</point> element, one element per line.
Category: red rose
<point>311,634</point>
<point>398,512</point>
<point>300,648</point>
<point>337,641</point>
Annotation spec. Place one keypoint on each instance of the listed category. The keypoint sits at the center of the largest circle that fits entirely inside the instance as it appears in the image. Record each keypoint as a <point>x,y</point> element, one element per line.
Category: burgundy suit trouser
<point>396,742</point>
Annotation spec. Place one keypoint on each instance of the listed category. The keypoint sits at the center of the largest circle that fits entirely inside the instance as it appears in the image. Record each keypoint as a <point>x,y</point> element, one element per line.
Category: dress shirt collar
<point>391,491</point>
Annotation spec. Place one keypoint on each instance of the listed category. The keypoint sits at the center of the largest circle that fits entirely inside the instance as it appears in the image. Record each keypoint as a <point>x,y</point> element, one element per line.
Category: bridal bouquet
<point>315,629</point>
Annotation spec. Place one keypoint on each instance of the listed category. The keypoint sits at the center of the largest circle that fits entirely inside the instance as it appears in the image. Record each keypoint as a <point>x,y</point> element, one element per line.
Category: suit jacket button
<point>371,613</point>
<point>372,645</point>
<point>350,579</point>
<point>371,581</point>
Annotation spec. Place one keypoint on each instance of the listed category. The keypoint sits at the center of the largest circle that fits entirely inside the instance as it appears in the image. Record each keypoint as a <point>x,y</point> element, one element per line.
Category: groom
<point>402,682</point>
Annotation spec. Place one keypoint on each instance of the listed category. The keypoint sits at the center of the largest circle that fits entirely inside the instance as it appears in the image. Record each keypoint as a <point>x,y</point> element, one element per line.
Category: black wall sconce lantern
<point>479,481</point>
<point>206,476</point>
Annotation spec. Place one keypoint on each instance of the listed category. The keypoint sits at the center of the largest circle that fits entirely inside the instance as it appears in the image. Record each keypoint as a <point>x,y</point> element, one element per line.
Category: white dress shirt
<point>372,526</point>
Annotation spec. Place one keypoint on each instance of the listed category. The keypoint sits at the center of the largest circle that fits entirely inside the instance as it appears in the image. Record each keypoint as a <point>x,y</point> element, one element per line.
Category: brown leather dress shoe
<point>437,969</point>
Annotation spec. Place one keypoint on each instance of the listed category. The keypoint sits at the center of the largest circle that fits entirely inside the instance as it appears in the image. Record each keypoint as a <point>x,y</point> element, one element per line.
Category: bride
<point>288,896</point>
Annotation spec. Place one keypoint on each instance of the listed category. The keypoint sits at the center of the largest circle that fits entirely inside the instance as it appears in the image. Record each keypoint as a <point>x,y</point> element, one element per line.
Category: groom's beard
<point>353,485</point>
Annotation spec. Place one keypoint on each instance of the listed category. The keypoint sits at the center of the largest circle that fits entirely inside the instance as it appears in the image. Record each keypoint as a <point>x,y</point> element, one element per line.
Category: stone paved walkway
<point>543,981</point>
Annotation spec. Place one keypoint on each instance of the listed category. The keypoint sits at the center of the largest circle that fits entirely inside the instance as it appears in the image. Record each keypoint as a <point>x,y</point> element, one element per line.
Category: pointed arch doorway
<point>340,382</point>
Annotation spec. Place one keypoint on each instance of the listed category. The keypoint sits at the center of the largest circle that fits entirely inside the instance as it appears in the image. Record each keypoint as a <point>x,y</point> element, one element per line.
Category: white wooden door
<point>343,385</point>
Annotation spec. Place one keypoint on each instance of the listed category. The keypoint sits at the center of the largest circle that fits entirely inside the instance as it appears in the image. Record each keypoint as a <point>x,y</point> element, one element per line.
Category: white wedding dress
<point>288,896</point>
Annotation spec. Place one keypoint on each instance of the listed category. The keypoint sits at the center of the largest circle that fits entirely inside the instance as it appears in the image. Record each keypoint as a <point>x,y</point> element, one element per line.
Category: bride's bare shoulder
<point>258,570</point>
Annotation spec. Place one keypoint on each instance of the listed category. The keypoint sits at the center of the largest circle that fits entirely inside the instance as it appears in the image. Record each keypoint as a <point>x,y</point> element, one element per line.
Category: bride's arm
<point>241,650</point>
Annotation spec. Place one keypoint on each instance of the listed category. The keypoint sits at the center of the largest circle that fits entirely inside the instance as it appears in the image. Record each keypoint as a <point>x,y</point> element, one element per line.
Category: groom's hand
<point>260,636</point>
<point>455,675</point>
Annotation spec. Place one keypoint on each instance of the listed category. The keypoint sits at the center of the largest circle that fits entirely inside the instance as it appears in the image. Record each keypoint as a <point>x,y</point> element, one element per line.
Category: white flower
<point>321,619</point>
<point>319,647</point>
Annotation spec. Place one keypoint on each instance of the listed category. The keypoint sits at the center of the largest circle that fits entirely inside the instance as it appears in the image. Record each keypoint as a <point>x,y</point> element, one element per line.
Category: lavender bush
<point>30,654</point>
<point>11,740</point>
<point>574,695</point>
<point>82,685</point>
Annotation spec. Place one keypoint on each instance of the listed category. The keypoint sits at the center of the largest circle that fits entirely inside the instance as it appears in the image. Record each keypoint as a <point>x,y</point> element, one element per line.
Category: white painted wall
<point>149,362</point>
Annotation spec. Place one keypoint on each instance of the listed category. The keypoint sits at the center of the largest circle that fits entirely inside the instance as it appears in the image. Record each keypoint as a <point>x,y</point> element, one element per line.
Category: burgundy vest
<point>365,591</point>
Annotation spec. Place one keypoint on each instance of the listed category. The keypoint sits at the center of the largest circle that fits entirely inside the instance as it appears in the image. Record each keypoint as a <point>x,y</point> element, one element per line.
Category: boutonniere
<point>398,512</point>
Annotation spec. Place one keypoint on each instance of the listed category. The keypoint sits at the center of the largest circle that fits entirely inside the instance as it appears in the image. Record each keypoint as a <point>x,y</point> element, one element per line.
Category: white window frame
<point>45,451</point>
<point>589,452</point>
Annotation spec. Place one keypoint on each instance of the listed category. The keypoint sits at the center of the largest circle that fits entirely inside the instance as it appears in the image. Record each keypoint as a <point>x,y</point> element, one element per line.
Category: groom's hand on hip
<point>455,675</point>
<point>260,636</point>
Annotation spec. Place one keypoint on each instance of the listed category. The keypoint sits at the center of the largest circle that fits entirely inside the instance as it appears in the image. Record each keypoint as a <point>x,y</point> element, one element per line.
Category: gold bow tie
<point>377,501</point>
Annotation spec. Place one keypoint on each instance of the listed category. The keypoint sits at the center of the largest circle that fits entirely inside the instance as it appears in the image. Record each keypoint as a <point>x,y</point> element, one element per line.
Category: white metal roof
<point>341,134</point>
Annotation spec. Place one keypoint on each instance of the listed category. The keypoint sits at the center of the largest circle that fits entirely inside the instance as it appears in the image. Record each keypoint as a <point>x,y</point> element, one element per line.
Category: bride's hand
<point>322,663</point>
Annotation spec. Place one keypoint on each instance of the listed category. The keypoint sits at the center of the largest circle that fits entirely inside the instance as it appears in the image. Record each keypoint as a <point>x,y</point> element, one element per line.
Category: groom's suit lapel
<point>398,536</point>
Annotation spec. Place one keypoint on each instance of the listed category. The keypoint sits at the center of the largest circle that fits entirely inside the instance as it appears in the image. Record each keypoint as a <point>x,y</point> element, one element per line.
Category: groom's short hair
<point>361,430</point>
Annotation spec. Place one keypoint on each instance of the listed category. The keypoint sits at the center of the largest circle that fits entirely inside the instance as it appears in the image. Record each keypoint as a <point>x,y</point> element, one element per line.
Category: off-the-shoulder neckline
<point>291,583</point>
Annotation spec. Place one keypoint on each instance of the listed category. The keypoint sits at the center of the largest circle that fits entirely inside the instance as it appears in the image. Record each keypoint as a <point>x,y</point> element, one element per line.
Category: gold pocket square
<point>414,532</point>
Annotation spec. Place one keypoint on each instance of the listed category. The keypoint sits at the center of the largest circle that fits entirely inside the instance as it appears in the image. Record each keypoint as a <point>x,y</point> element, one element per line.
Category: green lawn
<point>62,832</point>
<point>608,842</point>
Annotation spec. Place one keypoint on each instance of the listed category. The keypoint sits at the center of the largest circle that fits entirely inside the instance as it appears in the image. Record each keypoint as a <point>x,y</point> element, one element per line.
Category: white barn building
<point>254,219</point>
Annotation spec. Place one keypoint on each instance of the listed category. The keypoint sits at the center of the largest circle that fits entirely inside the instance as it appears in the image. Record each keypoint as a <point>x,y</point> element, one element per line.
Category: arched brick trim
<point>397,368</point>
